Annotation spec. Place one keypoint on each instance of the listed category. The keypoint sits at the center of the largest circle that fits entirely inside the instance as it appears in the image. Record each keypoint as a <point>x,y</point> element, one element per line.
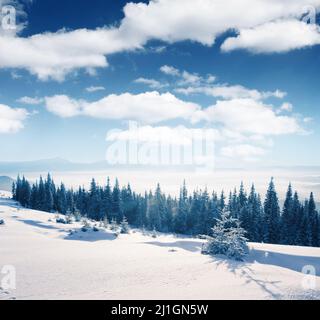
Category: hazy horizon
<point>141,180</point>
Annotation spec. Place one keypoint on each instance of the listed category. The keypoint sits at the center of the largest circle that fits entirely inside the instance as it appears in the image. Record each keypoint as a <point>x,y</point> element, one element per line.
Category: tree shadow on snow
<point>188,245</point>
<point>38,224</point>
<point>288,261</point>
<point>242,269</point>
<point>10,203</point>
<point>91,236</point>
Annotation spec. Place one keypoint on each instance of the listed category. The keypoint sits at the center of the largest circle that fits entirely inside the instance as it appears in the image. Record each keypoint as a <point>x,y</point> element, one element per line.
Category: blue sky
<point>260,96</point>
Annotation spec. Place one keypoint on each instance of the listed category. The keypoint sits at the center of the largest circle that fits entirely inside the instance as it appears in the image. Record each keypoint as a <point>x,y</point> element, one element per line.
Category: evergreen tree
<point>156,210</point>
<point>222,202</point>
<point>288,219</point>
<point>62,199</point>
<point>254,217</point>
<point>297,216</point>
<point>124,226</point>
<point>271,215</point>
<point>128,205</point>
<point>245,211</point>
<point>313,223</point>
<point>304,234</point>
<point>228,238</point>
<point>13,190</point>
<point>49,194</point>
<point>94,210</point>
<point>167,223</point>
<point>180,219</point>
<point>106,203</point>
<point>115,204</point>
<point>41,202</point>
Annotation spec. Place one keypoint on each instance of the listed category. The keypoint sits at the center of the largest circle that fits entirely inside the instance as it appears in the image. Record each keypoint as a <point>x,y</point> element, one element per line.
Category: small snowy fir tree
<point>124,226</point>
<point>86,226</point>
<point>69,219</point>
<point>114,225</point>
<point>1,222</point>
<point>105,222</point>
<point>77,216</point>
<point>154,233</point>
<point>228,238</point>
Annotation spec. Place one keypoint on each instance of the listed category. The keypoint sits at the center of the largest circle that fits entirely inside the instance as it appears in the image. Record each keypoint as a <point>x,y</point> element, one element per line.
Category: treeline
<point>298,223</point>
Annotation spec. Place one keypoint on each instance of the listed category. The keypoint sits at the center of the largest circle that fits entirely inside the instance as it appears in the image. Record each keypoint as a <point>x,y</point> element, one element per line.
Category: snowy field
<point>53,263</point>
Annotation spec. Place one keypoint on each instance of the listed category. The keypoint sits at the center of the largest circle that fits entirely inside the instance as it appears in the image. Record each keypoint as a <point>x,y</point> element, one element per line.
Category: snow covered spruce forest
<point>297,223</point>
<point>110,243</point>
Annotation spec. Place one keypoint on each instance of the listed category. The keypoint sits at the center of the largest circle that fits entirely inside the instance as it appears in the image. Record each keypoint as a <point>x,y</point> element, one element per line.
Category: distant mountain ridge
<point>59,164</point>
<point>6,183</point>
<point>48,165</point>
<point>62,165</point>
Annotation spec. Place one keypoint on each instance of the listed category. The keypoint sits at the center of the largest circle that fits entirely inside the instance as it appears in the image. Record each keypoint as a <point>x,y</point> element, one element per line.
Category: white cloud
<point>15,75</point>
<point>95,89</point>
<point>231,92</point>
<point>11,120</point>
<point>251,117</point>
<point>211,78</point>
<point>186,78</point>
<point>55,55</point>
<point>244,151</point>
<point>288,107</point>
<point>189,78</point>
<point>179,135</point>
<point>241,117</point>
<point>30,100</point>
<point>63,106</point>
<point>149,107</point>
<point>204,20</point>
<point>169,70</point>
<point>307,119</point>
<point>279,36</point>
<point>152,83</point>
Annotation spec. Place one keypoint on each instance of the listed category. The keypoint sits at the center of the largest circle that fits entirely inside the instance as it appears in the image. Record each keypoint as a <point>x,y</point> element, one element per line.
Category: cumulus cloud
<point>251,117</point>
<point>287,107</point>
<point>149,107</point>
<point>204,20</point>
<point>63,106</point>
<point>279,36</point>
<point>95,89</point>
<point>30,100</point>
<point>242,115</point>
<point>186,78</point>
<point>231,92</point>
<point>11,120</point>
<point>169,70</point>
<point>247,125</point>
<point>55,55</point>
<point>152,83</point>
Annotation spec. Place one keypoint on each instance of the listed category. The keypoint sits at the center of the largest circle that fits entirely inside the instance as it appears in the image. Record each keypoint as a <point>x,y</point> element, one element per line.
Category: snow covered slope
<point>53,263</point>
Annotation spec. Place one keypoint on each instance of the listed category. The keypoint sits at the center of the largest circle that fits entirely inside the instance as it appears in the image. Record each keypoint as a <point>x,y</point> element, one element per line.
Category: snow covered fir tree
<point>297,223</point>
<point>228,238</point>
